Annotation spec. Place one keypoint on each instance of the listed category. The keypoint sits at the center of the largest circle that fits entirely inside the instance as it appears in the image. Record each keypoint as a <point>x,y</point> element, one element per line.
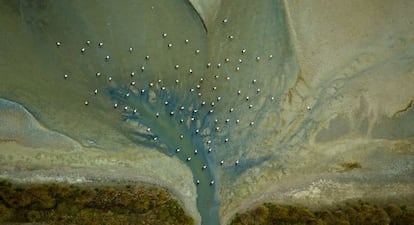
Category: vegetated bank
<point>360,213</point>
<point>53,203</point>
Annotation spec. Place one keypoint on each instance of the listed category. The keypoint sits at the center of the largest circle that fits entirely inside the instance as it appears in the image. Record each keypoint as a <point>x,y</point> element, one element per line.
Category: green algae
<point>360,213</point>
<point>64,204</point>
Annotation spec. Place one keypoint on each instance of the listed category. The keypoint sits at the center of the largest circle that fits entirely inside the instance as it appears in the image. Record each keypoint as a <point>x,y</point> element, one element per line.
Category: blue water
<point>215,115</point>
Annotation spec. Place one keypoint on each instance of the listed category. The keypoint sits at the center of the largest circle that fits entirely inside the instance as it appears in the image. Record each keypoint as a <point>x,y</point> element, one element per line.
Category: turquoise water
<point>167,83</point>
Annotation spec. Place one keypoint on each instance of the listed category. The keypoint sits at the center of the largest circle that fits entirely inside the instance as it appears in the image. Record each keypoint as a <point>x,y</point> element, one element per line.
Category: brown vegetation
<point>351,214</point>
<point>60,204</point>
<point>350,166</point>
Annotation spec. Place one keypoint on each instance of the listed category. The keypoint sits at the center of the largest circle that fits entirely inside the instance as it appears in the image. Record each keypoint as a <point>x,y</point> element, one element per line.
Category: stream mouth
<point>180,139</point>
<point>151,72</point>
<point>270,100</point>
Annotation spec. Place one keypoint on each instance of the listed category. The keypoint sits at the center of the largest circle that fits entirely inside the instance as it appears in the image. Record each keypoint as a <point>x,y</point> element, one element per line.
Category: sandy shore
<point>358,54</point>
<point>93,166</point>
<point>343,93</point>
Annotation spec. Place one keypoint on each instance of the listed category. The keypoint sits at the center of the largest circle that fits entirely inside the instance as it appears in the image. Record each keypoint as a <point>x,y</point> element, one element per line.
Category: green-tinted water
<point>216,89</point>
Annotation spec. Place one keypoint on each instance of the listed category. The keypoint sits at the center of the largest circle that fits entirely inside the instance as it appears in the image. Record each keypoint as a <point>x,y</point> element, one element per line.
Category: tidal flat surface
<point>249,102</point>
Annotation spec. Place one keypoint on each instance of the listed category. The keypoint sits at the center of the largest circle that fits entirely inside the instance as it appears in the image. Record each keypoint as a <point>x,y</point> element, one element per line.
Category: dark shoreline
<point>61,203</point>
<point>349,213</point>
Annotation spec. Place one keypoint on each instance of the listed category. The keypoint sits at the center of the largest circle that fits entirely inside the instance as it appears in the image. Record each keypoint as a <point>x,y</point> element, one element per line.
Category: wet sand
<point>333,85</point>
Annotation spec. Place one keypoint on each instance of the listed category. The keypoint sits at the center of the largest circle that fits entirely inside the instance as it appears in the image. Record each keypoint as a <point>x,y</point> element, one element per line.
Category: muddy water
<point>147,73</point>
